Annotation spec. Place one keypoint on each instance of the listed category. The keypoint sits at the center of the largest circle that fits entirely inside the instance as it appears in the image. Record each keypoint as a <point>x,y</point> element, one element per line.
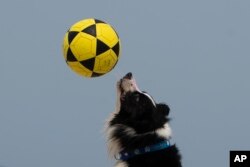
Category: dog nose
<point>128,75</point>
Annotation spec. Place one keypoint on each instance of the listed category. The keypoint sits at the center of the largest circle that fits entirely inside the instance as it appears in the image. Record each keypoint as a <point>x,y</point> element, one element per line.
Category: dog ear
<point>163,108</point>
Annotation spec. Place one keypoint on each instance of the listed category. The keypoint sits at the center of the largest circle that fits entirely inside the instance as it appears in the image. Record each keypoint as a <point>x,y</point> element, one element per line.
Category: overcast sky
<point>194,55</point>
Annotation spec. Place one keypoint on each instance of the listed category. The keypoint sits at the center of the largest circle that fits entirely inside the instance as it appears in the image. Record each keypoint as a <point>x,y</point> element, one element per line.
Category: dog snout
<point>128,76</point>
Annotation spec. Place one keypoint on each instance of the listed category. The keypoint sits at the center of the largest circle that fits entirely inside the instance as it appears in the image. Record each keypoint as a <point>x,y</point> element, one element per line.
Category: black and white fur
<point>139,121</point>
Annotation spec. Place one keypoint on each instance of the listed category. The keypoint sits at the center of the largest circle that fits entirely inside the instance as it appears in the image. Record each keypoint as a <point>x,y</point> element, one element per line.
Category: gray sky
<point>193,55</point>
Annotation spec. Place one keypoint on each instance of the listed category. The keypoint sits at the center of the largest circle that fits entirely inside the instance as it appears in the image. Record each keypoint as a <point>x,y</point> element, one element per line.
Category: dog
<point>138,132</point>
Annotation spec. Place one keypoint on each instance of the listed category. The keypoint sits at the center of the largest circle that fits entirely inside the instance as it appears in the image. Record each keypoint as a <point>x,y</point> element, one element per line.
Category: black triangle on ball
<point>89,63</point>
<point>72,35</point>
<point>99,21</point>
<point>94,74</point>
<point>70,56</point>
<point>101,47</point>
<point>116,49</point>
<point>91,30</point>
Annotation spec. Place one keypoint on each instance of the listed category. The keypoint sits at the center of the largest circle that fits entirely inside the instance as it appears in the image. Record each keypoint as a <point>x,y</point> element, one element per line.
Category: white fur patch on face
<point>165,132</point>
<point>129,85</point>
<point>121,164</point>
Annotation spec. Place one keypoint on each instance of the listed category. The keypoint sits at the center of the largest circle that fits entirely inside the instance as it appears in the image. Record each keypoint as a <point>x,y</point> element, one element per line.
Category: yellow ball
<point>91,47</point>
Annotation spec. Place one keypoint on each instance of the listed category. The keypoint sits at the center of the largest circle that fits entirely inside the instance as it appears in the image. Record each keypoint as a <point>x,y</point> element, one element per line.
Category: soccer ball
<point>91,47</point>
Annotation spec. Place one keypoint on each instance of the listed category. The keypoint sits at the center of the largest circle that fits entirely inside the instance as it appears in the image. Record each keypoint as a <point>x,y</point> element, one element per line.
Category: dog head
<point>128,84</point>
<point>138,108</point>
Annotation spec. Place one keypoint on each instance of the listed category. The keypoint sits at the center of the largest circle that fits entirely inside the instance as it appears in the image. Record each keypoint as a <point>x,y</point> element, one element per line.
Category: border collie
<point>138,131</point>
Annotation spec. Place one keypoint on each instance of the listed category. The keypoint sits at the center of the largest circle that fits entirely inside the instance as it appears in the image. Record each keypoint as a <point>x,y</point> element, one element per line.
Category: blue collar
<point>125,155</point>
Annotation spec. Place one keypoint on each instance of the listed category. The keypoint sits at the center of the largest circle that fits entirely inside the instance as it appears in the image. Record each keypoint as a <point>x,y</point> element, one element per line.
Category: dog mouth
<point>128,84</point>
<point>128,76</point>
